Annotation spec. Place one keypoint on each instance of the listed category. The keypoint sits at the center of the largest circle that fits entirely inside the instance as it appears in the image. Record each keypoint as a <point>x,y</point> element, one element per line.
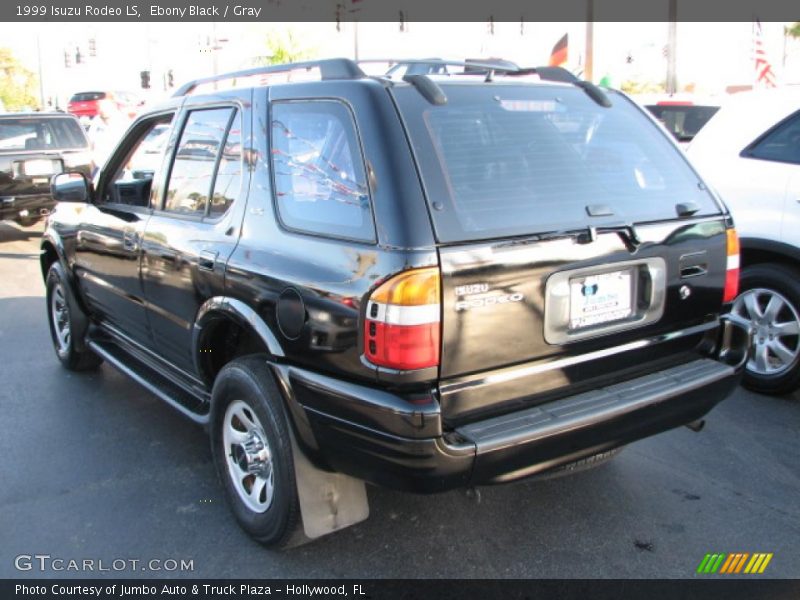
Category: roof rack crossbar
<point>498,66</point>
<point>331,68</point>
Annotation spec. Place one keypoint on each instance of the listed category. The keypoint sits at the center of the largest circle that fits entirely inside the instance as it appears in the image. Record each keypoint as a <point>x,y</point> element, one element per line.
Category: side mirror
<point>70,187</point>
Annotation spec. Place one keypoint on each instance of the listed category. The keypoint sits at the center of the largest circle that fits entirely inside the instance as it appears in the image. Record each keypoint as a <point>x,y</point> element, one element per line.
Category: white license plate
<point>600,299</point>
<point>40,167</point>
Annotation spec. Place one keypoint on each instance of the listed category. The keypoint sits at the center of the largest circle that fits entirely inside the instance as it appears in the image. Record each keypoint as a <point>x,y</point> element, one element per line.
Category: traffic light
<point>78,56</point>
<point>92,47</point>
<point>145,76</point>
<point>170,79</point>
<point>67,59</point>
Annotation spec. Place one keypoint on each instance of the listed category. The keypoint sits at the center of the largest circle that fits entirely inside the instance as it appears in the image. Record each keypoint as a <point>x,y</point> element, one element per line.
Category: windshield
<point>506,160</point>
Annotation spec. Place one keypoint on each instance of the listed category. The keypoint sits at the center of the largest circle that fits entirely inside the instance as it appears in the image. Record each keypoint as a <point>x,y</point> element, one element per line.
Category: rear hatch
<point>34,148</point>
<point>572,238</point>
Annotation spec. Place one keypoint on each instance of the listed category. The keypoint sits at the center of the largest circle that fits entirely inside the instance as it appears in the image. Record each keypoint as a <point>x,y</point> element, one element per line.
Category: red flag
<point>764,74</point>
<point>558,56</point>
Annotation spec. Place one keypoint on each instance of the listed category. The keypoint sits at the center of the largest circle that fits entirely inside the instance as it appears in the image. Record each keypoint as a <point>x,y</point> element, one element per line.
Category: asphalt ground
<point>93,467</point>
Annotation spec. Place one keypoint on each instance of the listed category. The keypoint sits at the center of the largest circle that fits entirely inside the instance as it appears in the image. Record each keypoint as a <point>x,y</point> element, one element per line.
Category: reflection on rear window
<point>513,160</point>
<point>36,133</point>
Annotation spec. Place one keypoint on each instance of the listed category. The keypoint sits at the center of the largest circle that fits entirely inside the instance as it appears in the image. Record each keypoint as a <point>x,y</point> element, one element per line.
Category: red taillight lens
<point>401,330</point>
<point>732,272</point>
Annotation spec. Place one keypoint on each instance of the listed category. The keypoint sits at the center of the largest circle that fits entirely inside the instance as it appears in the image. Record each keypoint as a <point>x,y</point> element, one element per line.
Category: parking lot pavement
<point>94,467</point>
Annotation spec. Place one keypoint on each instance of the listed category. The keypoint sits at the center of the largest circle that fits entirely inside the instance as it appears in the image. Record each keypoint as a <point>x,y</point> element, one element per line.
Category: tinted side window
<point>135,168</point>
<point>781,145</point>
<point>229,175</point>
<point>320,181</point>
<point>195,160</point>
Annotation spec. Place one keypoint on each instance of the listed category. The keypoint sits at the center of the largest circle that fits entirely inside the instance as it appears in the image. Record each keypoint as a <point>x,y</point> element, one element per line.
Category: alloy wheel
<point>248,456</point>
<point>776,327</point>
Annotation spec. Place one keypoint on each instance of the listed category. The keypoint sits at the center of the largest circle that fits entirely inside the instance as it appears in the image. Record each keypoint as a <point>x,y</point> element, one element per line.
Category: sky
<point>709,55</point>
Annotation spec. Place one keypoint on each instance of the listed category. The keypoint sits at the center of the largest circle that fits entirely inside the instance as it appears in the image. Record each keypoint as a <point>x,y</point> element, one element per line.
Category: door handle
<point>130,240</point>
<point>206,260</point>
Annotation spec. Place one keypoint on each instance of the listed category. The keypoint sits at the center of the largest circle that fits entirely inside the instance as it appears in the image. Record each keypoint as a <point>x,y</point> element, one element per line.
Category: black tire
<point>70,351</point>
<point>766,372</point>
<point>248,381</point>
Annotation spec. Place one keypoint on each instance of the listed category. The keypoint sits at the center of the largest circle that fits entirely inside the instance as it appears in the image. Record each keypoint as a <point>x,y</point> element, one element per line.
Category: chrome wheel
<point>60,315</point>
<point>776,327</point>
<point>248,456</point>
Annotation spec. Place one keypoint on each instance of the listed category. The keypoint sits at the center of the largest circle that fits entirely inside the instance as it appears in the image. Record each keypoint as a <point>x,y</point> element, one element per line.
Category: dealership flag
<point>559,54</point>
<point>764,74</point>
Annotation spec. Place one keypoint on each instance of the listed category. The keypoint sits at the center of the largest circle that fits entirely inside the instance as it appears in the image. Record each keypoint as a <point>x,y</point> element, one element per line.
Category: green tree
<point>284,47</point>
<point>793,30</point>
<point>17,84</point>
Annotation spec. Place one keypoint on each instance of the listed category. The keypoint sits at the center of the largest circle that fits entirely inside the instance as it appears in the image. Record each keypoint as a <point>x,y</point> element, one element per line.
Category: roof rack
<point>331,68</point>
<point>434,94</point>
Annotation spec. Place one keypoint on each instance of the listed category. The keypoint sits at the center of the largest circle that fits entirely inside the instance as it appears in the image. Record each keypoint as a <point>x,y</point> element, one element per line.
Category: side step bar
<point>187,403</point>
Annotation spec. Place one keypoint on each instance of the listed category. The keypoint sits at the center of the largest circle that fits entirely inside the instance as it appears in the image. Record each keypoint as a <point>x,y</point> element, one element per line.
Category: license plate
<point>597,299</point>
<point>40,167</point>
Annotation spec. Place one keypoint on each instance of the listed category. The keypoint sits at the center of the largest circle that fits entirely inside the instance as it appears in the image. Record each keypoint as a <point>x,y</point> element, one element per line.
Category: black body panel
<point>157,286</point>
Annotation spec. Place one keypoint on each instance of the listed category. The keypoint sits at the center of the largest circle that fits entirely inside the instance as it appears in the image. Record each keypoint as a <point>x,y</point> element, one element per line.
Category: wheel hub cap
<point>252,455</point>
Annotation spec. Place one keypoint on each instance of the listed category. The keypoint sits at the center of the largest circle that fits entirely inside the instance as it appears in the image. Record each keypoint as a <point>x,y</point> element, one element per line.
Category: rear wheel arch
<point>758,250</point>
<point>226,329</point>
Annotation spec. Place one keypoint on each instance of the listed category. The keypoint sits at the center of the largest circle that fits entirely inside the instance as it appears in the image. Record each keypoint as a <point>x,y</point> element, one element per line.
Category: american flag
<point>764,74</point>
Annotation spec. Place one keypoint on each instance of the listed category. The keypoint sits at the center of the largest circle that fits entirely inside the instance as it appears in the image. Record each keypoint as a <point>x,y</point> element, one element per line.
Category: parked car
<point>750,152</point>
<point>87,104</point>
<point>683,115</point>
<point>33,147</point>
<point>423,284</point>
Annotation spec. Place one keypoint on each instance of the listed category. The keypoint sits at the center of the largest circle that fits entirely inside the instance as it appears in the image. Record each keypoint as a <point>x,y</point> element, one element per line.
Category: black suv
<point>425,284</point>
<point>34,146</point>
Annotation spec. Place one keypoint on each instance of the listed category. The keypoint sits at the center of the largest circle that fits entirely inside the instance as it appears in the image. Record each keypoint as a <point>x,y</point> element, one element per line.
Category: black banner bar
<point>392,10</point>
<point>390,589</point>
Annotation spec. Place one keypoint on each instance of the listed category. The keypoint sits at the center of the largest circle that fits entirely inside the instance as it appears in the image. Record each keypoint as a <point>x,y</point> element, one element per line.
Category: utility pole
<point>355,39</point>
<point>39,64</point>
<point>672,79</point>
<point>589,65</point>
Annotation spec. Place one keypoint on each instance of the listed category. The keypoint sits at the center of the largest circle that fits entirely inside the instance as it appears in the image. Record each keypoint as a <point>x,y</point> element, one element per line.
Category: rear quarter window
<point>318,166</point>
<point>781,144</point>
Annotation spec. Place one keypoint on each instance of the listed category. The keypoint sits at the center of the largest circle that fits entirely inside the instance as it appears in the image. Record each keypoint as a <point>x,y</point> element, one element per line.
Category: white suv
<point>750,152</point>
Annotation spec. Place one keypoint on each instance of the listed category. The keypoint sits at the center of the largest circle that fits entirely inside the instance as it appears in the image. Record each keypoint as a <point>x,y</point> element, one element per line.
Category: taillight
<point>401,330</point>
<point>732,272</point>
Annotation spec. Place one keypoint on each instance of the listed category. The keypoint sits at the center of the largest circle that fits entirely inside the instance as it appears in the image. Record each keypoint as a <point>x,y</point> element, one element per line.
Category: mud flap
<point>328,501</point>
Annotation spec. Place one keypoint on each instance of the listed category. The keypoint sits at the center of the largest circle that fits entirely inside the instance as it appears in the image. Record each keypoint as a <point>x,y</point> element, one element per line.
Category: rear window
<point>683,121</point>
<point>507,160</point>
<point>87,96</point>
<point>37,133</point>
